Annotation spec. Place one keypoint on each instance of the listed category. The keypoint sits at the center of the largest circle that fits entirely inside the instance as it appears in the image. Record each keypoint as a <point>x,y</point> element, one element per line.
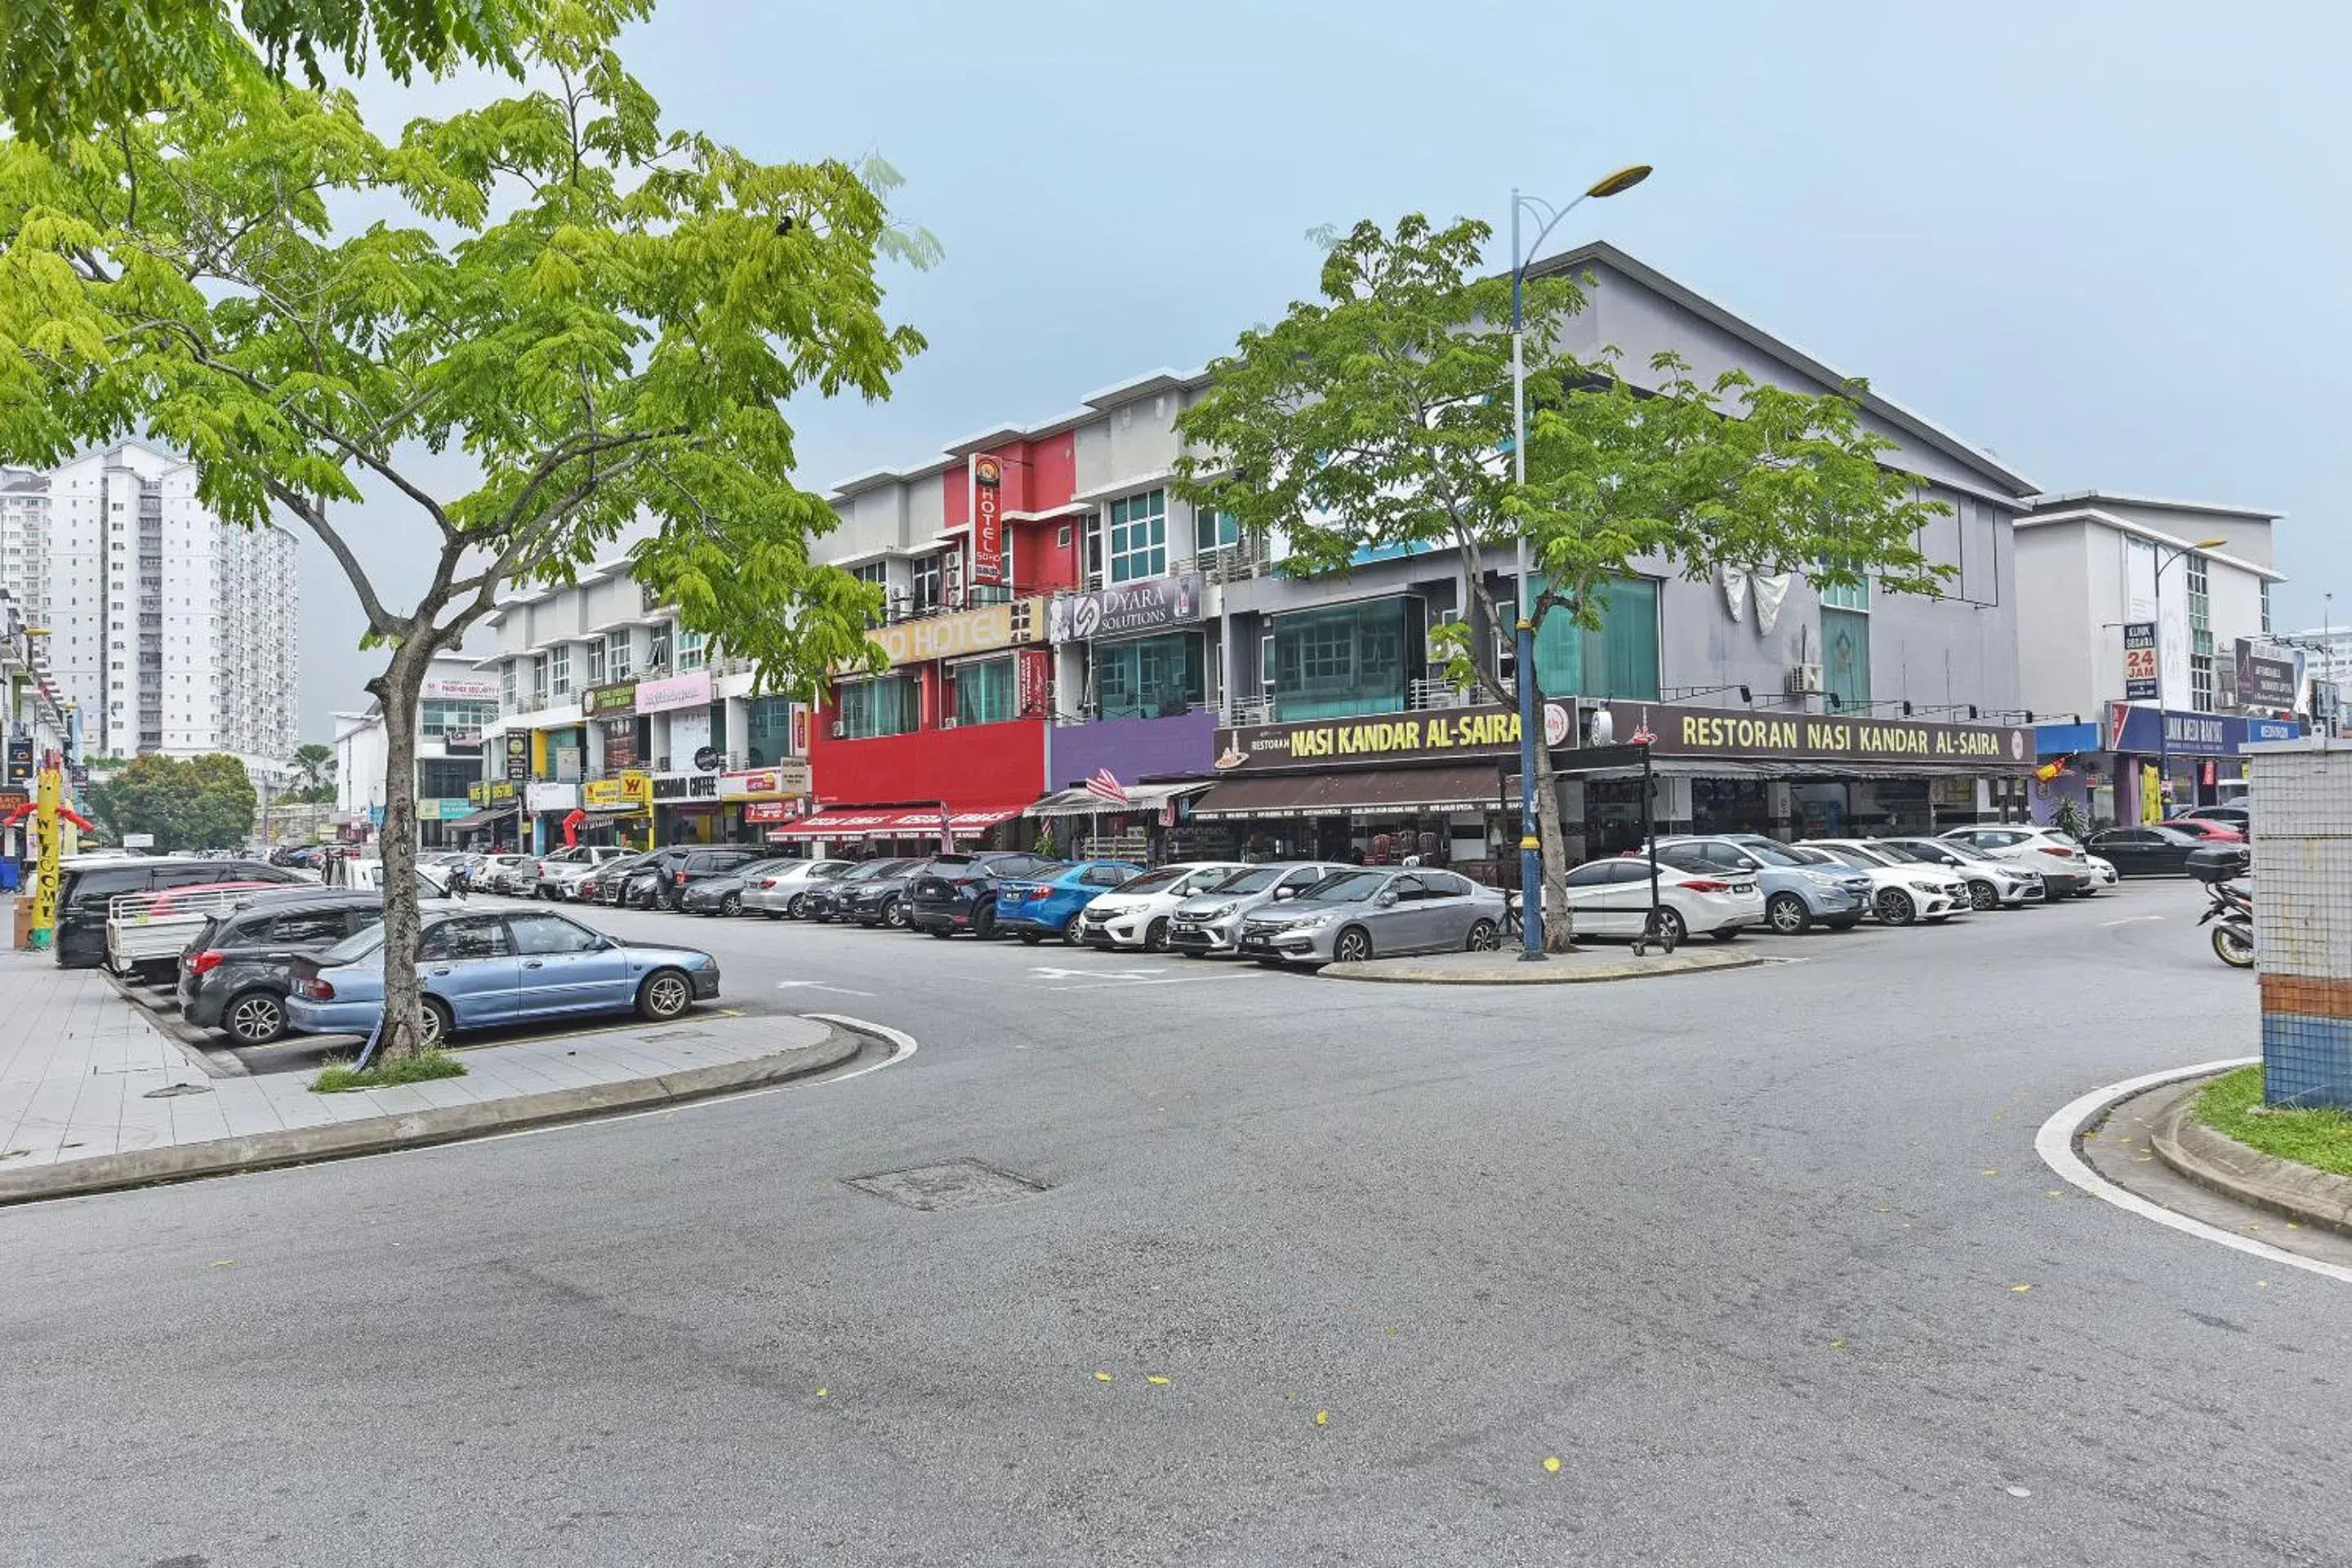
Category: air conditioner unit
<point>1804,679</point>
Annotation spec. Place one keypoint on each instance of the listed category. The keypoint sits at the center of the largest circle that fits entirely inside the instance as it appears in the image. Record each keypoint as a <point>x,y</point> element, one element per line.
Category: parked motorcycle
<point>2230,912</point>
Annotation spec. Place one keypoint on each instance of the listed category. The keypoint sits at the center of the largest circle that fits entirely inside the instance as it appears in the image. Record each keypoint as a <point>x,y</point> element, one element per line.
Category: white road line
<point>1134,985</point>
<point>2055,1144</point>
<point>818,985</point>
<point>2130,920</point>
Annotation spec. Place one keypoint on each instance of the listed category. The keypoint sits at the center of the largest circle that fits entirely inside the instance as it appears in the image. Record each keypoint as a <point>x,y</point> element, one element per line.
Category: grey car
<point>1211,923</point>
<point>235,975</point>
<point>1374,912</point>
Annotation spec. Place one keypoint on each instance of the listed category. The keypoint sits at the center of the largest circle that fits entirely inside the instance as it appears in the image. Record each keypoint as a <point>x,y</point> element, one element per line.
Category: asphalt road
<point>1742,1252</point>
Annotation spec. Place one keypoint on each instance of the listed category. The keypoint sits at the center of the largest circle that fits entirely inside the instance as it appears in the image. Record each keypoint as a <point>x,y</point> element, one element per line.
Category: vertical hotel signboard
<point>987,473</point>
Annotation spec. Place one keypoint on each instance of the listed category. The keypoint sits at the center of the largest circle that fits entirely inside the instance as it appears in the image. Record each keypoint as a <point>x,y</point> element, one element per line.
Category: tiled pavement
<point>81,1068</point>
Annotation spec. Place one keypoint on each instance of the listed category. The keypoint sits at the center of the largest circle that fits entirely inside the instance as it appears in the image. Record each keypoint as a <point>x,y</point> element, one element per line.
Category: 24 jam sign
<point>987,520</point>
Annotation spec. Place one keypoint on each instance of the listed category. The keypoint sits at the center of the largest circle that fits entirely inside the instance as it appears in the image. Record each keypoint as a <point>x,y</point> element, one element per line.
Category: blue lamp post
<point>1531,916</point>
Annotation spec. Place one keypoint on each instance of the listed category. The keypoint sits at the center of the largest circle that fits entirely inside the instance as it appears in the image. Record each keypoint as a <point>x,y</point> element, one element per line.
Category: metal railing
<point>1436,692</point>
<point>1247,710</point>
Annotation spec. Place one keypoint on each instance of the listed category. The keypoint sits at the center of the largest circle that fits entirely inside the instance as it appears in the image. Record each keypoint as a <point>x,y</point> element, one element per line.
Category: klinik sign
<point>987,477</point>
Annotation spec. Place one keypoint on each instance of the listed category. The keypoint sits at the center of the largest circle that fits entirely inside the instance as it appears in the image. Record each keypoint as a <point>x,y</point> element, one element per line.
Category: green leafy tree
<point>195,802</point>
<point>1380,414</point>
<point>605,316</point>
<point>314,775</point>
<point>71,67</point>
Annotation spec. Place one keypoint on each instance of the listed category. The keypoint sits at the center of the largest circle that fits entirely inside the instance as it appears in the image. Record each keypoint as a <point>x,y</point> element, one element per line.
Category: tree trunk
<point>1560,930</point>
<point>402,685</point>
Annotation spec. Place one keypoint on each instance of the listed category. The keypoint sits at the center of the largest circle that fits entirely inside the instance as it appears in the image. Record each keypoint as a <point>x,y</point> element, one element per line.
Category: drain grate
<point>950,1184</point>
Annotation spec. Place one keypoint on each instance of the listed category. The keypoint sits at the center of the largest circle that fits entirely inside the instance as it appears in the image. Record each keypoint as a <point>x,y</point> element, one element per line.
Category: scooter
<point>2230,912</point>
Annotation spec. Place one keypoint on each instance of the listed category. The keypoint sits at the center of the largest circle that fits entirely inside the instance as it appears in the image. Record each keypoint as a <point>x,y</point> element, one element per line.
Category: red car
<point>2212,832</point>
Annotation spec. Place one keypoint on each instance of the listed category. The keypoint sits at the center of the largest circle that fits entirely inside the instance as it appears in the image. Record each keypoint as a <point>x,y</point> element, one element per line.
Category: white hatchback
<point>2064,866</point>
<point>1137,914</point>
<point>1901,891</point>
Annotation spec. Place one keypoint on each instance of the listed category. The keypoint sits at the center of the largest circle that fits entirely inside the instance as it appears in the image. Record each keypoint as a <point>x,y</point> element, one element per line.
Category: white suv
<point>2064,866</point>
<point>560,873</point>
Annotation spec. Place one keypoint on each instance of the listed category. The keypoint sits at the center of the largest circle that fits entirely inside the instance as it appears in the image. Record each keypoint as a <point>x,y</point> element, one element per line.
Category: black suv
<point>833,901</point>
<point>958,892</point>
<point>91,883</point>
<point>695,862</point>
<point>236,974</point>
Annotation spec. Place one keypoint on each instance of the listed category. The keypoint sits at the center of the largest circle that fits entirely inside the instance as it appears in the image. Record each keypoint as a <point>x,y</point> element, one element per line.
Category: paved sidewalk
<point>1584,966</point>
<point>93,1096</point>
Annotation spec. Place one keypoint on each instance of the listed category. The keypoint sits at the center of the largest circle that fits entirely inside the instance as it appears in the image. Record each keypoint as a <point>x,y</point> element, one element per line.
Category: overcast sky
<point>2105,240</point>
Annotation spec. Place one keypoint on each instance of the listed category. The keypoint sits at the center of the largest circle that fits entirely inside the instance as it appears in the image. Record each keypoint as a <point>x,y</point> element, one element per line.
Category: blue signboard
<point>2144,731</point>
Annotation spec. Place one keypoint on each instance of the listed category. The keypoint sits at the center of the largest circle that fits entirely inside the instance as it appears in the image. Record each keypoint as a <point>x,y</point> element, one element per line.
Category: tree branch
<point>379,620</point>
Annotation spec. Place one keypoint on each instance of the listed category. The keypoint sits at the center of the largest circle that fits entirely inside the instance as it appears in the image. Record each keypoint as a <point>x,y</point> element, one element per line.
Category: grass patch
<point>2232,1105</point>
<point>338,1076</point>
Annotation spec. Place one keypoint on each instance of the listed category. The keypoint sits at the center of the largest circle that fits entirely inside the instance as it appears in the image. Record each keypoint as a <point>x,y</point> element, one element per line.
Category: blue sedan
<point>480,971</point>
<point>1033,909</point>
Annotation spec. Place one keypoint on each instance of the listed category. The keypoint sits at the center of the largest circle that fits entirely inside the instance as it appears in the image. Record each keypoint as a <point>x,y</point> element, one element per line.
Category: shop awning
<point>1139,797</point>
<point>890,821</point>
<point>475,821</point>
<point>1449,788</point>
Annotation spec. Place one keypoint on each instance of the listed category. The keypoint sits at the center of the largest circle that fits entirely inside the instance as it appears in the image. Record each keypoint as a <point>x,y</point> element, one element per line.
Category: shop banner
<point>629,789</point>
<point>460,689</point>
<point>542,795</point>
<point>2266,675</point>
<point>619,743</point>
<point>1036,678</point>
<point>518,756</point>
<point>2146,732</point>
<point>987,477</point>
<point>1848,737</point>
<point>771,810</point>
<point>981,630</point>
<point>2139,662</point>
<point>618,697</point>
<point>1444,732</point>
<point>1127,609</point>
<point>691,690</point>
<point>672,788</point>
<point>490,791</point>
<point>785,778</point>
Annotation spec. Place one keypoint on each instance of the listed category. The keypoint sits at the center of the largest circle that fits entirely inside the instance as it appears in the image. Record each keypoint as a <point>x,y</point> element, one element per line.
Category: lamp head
<point>1624,179</point>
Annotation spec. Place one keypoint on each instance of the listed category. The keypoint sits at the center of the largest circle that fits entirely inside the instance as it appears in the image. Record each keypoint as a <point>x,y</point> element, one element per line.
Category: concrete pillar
<point>2301,796</point>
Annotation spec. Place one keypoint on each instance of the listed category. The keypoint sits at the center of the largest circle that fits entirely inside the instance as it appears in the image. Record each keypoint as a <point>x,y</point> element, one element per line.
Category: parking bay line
<point>2129,920</point>
<point>818,985</point>
<point>1132,984</point>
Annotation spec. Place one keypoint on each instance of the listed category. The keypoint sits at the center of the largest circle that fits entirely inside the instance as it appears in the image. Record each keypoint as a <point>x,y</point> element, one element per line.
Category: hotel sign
<point>981,630</point>
<point>987,520</point>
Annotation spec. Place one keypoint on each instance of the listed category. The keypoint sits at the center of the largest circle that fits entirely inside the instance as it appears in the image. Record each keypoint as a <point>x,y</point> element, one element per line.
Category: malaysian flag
<point>1104,785</point>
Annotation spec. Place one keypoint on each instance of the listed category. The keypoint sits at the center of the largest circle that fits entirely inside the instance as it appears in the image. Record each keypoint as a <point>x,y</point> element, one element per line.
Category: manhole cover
<point>951,1184</point>
<point>171,1090</point>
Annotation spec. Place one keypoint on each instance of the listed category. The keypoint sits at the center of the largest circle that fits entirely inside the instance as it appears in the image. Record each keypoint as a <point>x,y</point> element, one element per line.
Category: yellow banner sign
<point>629,789</point>
<point>981,630</point>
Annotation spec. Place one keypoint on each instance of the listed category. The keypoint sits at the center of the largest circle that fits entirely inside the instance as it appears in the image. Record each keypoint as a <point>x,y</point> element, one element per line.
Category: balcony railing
<point>1247,710</point>
<point>1437,692</point>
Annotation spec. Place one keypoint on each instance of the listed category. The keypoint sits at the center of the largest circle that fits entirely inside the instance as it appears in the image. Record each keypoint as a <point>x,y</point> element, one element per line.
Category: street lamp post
<point>1531,916</point>
<point>2163,739</point>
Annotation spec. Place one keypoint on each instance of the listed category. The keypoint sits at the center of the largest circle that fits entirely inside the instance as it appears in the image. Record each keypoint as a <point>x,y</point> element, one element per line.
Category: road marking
<point>1132,984</point>
<point>2130,920</point>
<point>1134,974</point>
<point>818,985</point>
<point>2055,1144</point>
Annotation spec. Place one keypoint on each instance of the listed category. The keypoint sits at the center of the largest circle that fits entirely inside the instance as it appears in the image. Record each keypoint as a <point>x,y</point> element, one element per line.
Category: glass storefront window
<point>892,705</point>
<point>1347,659</point>
<point>1845,658</point>
<point>768,729</point>
<point>984,692</point>
<point>1619,658</point>
<point>438,717</point>
<point>1151,677</point>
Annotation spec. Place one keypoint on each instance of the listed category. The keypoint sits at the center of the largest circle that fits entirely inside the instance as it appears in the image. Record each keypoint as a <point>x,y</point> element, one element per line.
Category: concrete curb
<point>442,1124</point>
<point>2220,1162</point>
<point>1555,973</point>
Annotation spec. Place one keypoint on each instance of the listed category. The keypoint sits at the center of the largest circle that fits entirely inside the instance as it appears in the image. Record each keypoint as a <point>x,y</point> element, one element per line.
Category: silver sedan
<point>1369,912</point>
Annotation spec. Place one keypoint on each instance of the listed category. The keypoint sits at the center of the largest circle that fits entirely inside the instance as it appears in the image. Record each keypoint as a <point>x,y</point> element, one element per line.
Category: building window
<point>876,574</point>
<point>437,718</point>
<point>693,650</point>
<point>1347,659</point>
<point>595,661</point>
<point>2200,682</point>
<point>984,692</point>
<point>929,582</point>
<point>768,729</point>
<point>889,705</point>
<point>1214,531</point>
<point>1845,659</point>
<point>559,670</point>
<point>1138,537</point>
<point>1617,659</point>
<point>2266,609</point>
<point>1846,596</point>
<point>617,656</point>
<point>538,677</point>
<point>2200,600</point>
<point>657,647</point>
<point>1150,678</point>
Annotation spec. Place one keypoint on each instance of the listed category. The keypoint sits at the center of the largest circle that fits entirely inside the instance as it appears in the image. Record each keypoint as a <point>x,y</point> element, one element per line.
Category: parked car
<point>682,866</point>
<point>2153,851</point>
<point>2210,829</point>
<point>881,900</point>
<point>235,975</point>
<point>1901,891</point>
<point>1611,897</point>
<point>722,892</point>
<point>958,892</point>
<point>559,873</point>
<point>504,871</point>
<point>780,890</point>
<point>90,883</point>
<point>1992,883</point>
<point>2237,816</point>
<point>2104,872</point>
<point>2220,862</point>
<point>1368,912</point>
<point>1796,894</point>
<point>2063,863</point>
<point>1036,909</point>
<point>606,882</point>
<point>483,970</point>
<point>1210,922</point>
<point>1137,915</point>
<point>829,900</point>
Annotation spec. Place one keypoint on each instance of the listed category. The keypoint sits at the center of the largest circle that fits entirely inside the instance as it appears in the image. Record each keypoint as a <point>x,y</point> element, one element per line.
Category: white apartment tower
<point>170,630</point>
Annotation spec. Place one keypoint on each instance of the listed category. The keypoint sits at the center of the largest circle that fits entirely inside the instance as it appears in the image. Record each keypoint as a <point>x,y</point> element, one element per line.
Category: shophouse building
<point>458,705</point>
